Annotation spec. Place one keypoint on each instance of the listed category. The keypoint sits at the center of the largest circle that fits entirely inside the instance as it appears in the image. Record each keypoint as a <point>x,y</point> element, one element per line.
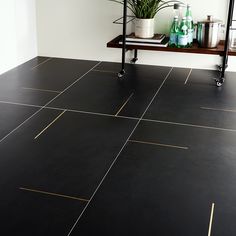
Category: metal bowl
<point>208,32</point>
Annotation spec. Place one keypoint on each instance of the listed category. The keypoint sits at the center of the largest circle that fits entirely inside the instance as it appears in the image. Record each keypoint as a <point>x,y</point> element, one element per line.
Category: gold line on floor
<point>54,194</point>
<point>211,218</point>
<point>188,76</point>
<point>124,104</point>
<point>189,125</point>
<point>50,124</point>
<point>41,63</point>
<point>158,144</point>
<point>216,109</point>
<point>42,90</point>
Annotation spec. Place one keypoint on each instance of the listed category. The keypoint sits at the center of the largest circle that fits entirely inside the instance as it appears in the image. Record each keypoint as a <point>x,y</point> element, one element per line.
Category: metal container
<point>208,32</point>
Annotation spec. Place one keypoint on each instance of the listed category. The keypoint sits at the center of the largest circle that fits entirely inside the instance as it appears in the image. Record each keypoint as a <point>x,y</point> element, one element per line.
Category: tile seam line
<point>120,116</point>
<point>190,125</point>
<point>40,64</point>
<point>117,156</point>
<point>211,219</point>
<point>69,110</point>
<point>218,109</point>
<point>53,194</point>
<point>41,90</point>
<point>20,104</point>
<point>68,87</point>
<point>50,124</point>
<point>124,104</point>
<point>158,144</point>
<point>190,72</point>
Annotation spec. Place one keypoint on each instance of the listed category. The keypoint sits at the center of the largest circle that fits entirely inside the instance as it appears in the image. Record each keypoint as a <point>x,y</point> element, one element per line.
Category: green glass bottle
<point>183,34</point>
<point>189,22</point>
<point>174,32</point>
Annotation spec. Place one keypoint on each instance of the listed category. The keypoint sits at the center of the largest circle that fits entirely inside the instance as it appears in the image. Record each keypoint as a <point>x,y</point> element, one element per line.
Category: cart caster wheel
<point>219,82</point>
<point>121,74</point>
<point>133,61</point>
<point>220,67</point>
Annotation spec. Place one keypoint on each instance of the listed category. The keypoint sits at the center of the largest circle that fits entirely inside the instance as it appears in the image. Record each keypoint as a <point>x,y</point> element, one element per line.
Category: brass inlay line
<point>124,104</point>
<point>50,124</point>
<point>43,90</point>
<point>216,109</point>
<point>211,218</point>
<point>41,63</point>
<point>20,104</point>
<point>158,144</point>
<point>189,125</point>
<point>188,76</point>
<point>54,194</point>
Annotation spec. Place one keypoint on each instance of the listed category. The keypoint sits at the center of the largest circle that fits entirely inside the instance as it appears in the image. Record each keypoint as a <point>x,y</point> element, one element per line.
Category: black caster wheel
<point>219,82</point>
<point>121,74</point>
<point>133,61</point>
<point>220,67</point>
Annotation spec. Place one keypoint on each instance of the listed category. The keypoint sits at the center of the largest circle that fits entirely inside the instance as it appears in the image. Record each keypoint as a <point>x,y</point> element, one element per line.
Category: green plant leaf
<point>147,9</point>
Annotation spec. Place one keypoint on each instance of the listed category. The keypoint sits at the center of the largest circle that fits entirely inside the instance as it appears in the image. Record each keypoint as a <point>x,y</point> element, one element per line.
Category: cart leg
<point>133,61</point>
<point>122,72</point>
<point>221,80</point>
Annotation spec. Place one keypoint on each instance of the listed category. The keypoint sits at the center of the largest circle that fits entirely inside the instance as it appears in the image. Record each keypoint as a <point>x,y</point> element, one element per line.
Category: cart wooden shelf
<point>114,43</point>
<point>222,49</point>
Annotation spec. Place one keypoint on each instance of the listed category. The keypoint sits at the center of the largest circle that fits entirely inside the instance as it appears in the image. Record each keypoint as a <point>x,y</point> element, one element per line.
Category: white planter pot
<point>144,28</point>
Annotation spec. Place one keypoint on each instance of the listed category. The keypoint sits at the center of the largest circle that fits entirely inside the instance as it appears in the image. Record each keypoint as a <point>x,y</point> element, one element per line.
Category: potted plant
<point>145,11</point>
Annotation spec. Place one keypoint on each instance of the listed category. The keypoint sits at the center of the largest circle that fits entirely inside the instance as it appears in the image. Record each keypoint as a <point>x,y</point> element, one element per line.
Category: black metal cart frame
<point>222,68</point>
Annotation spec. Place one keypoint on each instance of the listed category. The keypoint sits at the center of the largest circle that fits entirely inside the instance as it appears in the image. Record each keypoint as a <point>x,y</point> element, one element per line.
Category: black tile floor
<point>83,154</point>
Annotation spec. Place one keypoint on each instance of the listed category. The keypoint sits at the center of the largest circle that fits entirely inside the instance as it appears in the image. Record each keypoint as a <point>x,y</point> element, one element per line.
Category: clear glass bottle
<point>174,32</point>
<point>190,25</point>
<point>177,11</point>
<point>233,40</point>
<point>183,34</point>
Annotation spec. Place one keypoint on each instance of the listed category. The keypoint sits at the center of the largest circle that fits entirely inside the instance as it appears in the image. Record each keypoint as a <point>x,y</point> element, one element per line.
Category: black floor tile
<point>101,92</point>
<point>134,71</point>
<point>198,104</point>
<point>70,158</point>
<point>164,181</point>
<point>157,190</point>
<point>94,93</point>
<point>14,78</point>
<point>204,143</point>
<point>26,96</point>
<point>148,192</point>
<point>23,68</point>
<point>203,77</point>
<point>12,115</point>
<point>27,213</point>
<point>38,85</point>
<point>225,211</point>
<point>58,73</point>
<point>213,153</point>
<point>178,76</point>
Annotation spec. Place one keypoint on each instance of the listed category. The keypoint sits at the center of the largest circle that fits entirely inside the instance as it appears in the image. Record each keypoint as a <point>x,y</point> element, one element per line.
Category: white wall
<point>18,40</point>
<point>81,28</point>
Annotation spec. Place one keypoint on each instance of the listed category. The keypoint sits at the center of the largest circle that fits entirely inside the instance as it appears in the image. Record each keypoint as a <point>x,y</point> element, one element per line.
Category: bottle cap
<point>177,6</point>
